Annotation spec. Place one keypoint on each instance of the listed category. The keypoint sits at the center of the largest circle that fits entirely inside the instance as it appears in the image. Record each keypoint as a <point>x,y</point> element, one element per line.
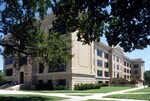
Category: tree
<point>123,22</point>
<point>22,36</point>
<point>2,77</point>
<point>147,77</point>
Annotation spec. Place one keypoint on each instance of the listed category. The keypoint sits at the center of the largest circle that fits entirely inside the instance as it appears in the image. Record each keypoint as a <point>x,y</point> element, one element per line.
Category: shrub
<point>86,86</point>
<point>104,84</point>
<point>119,81</point>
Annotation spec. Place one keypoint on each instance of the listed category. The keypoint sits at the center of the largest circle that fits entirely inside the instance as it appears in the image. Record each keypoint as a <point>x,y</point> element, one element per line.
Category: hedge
<point>86,86</point>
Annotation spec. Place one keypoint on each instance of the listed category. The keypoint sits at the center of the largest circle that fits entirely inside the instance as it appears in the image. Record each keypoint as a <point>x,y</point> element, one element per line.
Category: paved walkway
<point>97,96</point>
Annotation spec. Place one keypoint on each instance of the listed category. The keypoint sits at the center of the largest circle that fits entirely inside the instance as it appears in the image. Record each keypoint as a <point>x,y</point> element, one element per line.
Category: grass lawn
<point>20,97</point>
<point>102,90</point>
<point>80,94</point>
<point>130,96</point>
<point>142,90</point>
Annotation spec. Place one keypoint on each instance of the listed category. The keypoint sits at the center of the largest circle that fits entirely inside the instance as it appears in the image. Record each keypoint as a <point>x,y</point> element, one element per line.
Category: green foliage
<point>119,81</point>
<point>2,77</point>
<point>27,39</point>
<point>123,22</point>
<point>86,86</point>
<point>147,77</point>
<point>104,84</point>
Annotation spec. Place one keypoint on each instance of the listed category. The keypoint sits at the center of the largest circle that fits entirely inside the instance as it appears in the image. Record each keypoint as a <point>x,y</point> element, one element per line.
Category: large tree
<point>123,22</point>
<point>23,37</point>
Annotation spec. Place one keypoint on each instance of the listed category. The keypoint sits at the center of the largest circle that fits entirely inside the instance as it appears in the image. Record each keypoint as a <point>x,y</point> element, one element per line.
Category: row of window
<point>127,64</point>
<point>100,73</point>
<point>127,70</point>
<point>58,69</point>
<point>9,60</point>
<point>100,64</point>
<point>99,53</point>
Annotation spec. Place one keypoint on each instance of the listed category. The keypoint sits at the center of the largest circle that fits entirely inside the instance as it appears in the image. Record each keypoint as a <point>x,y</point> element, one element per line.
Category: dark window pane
<point>99,73</point>
<point>99,53</point>
<point>9,60</point>
<point>9,72</point>
<point>41,67</point>
<point>23,61</point>
<point>99,63</point>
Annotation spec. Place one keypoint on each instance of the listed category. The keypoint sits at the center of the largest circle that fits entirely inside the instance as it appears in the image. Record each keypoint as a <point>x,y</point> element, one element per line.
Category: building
<point>90,63</point>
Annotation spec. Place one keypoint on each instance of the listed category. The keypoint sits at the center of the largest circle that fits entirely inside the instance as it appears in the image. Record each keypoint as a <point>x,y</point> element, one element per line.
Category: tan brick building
<point>90,63</point>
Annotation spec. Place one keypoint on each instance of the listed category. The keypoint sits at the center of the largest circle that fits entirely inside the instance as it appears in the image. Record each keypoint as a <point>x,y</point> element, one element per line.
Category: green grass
<point>102,90</point>
<point>141,90</point>
<point>80,94</point>
<point>130,96</point>
<point>13,97</point>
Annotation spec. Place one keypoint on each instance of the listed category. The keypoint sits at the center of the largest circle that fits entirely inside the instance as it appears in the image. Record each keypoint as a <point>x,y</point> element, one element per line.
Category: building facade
<point>90,64</point>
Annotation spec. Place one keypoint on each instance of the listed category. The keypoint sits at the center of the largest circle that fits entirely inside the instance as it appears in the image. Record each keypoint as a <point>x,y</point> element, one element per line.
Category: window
<point>130,65</point>
<point>99,63</point>
<point>136,72</point>
<point>40,82</point>
<point>23,60</point>
<point>62,82</point>
<point>41,67</point>
<point>9,72</point>
<point>117,67</point>
<point>99,73</point>
<point>127,70</point>
<point>99,53</point>
<point>136,66</point>
<point>125,76</point>
<point>106,74</point>
<point>9,60</point>
<point>58,69</point>
<point>117,59</point>
<point>106,64</point>
<point>124,69</point>
<point>105,55</point>
<point>125,63</point>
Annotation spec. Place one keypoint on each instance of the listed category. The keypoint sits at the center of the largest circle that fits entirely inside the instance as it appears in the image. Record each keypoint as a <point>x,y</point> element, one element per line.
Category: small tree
<point>134,80</point>
<point>2,77</point>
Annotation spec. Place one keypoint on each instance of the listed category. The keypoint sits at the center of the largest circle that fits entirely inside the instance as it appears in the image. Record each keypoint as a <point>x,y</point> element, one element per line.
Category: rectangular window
<point>23,61</point>
<point>58,69</point>
<point>106,64</point>
<point>40,82</point>
<point>125,76</point>
<point>105,55</point>
<point>106,74</point>
<point>99,73</point>
<point>99,63</point>
<point>99,53</point>
<point>136,66</point>
<point>117,59</point>
<point>62,82</point>
<point>41,67</point>
<point>136,72</point>
<point>9,60</point>
<point>117,67</point>
<point>125,63</point>
<point>125,70</point>
<point>9,72</point>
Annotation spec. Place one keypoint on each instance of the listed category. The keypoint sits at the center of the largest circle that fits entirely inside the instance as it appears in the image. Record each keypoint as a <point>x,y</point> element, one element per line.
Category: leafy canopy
<point>23,37</point>
<point>123,22</point>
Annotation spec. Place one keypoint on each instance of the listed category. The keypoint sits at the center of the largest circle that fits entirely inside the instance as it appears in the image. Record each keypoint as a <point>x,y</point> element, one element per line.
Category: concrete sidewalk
<point>97,96</point>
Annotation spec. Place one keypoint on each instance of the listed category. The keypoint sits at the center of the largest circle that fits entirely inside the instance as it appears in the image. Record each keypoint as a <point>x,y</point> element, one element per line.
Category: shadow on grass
<point>31,98</point>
